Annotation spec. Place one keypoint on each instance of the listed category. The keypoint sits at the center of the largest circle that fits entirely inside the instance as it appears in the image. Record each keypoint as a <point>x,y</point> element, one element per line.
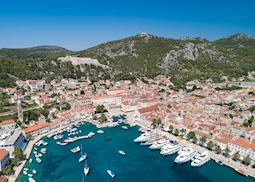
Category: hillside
<point>182,59</point>
<point>34,52</point>
<point>136,56</point>
<point>243,47</point>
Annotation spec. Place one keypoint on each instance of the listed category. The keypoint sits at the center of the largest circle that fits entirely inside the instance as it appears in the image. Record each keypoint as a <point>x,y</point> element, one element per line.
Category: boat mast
<point>83,178</point>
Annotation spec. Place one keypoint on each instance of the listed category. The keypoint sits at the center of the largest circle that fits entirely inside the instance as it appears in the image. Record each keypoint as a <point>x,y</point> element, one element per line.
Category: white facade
<point>242,151</point>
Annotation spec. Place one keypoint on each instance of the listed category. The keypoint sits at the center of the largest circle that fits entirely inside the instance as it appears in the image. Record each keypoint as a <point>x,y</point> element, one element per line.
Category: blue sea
<point>140,164</point>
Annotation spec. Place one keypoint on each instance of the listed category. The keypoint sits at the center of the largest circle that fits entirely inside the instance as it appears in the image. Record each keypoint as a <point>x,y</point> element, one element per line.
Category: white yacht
<point>145,137</point>
<point>86,169</point>
<point>158,144</point>
<point>83,156</point>
<point>111,173</point>
<point>185,156</point>
<point>184,149</point>
<point>170,148</point>
<point>200,159</point>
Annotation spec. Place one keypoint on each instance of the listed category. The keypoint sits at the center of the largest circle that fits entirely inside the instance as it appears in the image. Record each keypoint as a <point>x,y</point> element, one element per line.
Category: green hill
<point>136,56</point>
<point>182,59</point>
<point>32,53</point>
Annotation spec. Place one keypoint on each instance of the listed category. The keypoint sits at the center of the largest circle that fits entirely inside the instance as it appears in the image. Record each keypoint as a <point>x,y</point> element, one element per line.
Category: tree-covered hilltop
<point>134,57</point>
<point>12,69</point>
<point>34,53</point>
<point>182,59</point>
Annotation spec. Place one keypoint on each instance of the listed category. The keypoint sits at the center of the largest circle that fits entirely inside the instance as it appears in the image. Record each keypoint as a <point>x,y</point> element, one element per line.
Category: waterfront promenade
<point>217,157</point>
<point>235,165</point>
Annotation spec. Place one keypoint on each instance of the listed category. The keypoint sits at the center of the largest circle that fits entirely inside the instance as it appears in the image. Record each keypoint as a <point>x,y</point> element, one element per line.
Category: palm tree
<point>203,140</point>
<point>210,145</point>
<point>171,128</point>
<point>194,139</point>
<point>156,122</point>
<point>247,160</point>
<point>183,131</point>
<point>236,156</point>
<point>29,136</point>
<point>191,135</point>
<point>217,149</point>
<point>5,179</point>
<point>176,132</point>
<point>226,152</point>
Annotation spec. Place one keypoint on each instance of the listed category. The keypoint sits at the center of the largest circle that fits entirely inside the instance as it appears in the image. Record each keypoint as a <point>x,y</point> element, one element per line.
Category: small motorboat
<point>219,162</point>
<point>76,149</point>
<point>124,127</point>
<point>100,131</point>
<point>121,152</point>
<point>30,179</point>
<point>34,171</point>
<point>43,150</point>
<point>38,160</point>
<point>111,173</point>
<point>30,161</point>
<point>45,143</point>
<point>30,175</point>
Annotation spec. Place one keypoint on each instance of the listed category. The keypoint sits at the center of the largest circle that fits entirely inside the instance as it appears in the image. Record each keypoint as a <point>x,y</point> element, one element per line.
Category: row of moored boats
<point>169,147</point>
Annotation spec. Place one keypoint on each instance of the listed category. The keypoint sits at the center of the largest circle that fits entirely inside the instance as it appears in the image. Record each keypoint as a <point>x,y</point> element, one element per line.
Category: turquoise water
<point>139,165</point>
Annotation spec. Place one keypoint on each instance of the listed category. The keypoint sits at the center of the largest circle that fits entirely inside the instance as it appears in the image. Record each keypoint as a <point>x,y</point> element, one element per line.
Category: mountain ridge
<point>147,55</point>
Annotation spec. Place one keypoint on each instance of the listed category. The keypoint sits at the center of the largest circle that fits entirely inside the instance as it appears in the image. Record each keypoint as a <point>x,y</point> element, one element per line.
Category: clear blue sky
<point>79,24</point>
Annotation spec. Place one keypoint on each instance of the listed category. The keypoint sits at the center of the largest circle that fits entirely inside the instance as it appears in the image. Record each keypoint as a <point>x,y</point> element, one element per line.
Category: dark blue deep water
<point>139,165</point>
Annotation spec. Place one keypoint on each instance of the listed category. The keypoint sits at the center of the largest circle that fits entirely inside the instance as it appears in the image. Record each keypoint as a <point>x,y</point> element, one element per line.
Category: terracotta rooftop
<point>3,153</point>
<point>148,109</point>
<point>35,127</point>
<point>242,142</point>
<point>5,122</point>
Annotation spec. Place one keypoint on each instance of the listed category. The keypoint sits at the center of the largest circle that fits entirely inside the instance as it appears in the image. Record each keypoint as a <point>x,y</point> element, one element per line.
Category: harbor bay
<point>139,163</point>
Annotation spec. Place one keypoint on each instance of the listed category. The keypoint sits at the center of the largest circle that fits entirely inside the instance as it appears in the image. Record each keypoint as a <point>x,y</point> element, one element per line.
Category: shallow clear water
<point>139,165</point>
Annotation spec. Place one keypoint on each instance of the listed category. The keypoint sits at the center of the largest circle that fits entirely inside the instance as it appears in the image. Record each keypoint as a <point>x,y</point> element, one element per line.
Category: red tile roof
<point>3,154</point>
<point>242,142</point>
<point>5,122</point>
<point>35,127</point>
<point>148,109</point>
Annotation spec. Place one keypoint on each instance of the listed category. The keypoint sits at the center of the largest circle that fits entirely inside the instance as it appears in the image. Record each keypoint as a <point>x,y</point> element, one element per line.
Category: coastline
<point>216,157</point>
<point>248,171</point>
<point>30,145</point>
